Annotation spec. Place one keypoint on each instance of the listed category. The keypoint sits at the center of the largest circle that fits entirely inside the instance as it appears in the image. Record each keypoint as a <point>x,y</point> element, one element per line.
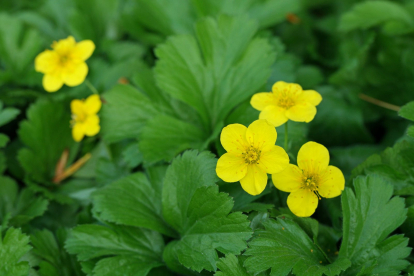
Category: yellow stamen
<point>251,155</point>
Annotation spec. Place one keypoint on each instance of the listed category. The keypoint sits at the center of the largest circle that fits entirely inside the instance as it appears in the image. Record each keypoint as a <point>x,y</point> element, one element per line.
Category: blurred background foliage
<point>152,55</point>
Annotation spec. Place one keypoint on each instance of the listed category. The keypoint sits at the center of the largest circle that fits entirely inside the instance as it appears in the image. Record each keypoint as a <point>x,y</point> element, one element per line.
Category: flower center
<point>79,118</point>
<point>63,59</point>
<point>285,100</point>
<point>252,155</point>
<point>311,183</point>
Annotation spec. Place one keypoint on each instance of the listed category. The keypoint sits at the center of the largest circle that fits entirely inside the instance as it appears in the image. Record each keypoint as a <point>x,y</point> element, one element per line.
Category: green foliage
<point>46,134</point>
<point>54,260</point>
<point>137,194</point>
<point>125,113</point>
<point>372,13</point>
<point>208,227</point>
<point>18,48</point>
<point>19,207</point>
<point>187,173</point>
<point>13,246</point>
<point>394,165</point>
<point>283,246</point>
<point>231,266</point>
<point>121,250</point>
<point>365,244</point>
<point>171,75</point>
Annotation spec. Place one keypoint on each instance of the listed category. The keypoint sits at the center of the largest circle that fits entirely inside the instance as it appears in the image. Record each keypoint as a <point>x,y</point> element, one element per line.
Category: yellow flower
<point>85,121</point>
<point>311,179</point>
<point>251,154</point>
<point>287,102</point>
<point>65,64</point>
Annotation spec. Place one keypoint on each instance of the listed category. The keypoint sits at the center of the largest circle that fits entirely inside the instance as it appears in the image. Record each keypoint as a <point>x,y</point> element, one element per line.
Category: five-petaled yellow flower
<point>85,119</point>
<point>251,154</point>
<point>311,179</point>
<point>65,64</point>
<point>287,101</point>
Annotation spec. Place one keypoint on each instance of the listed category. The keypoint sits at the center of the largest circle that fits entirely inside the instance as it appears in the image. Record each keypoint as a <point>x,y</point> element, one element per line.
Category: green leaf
<point>138,195</point>
<point>393,164</point>
<point>410,131</point>
<point>54,260</point>
<point>162,16</point>
<point>18,45</point>
<point>124,113</point>
<point>46,134</point>
<point>183,177</point>
<point>181,136</point>
<point>231,266</point>
<point>218,69</point>
<point>7,114</point>
<point>13,246</point>
<point>285,247</point>
<point>407,111</point>
<point>210,227</point>
<point>123,250</point>
<point>267,13</point>
<point>4,139</point>
<point>132,155</point>
<point>372,13</point>
<point>370,215</point>
<point>23,206</point>
<point>342,120</point>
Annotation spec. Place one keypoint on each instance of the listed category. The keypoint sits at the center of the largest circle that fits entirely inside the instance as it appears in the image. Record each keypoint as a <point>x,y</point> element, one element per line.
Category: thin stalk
<point>91,87</point>
<point>379,103</point>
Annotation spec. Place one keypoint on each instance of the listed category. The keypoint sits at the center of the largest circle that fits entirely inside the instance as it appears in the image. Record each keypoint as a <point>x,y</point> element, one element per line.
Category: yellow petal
<point>231,168</point>
<point>91,125</point>
<point>76,107</point>
<point>291,89</point>
<point>233,138</point>
<point>92,104</point>
<point>274,161</point>
<point>52,82</point>
<point>78,132</point>
<point>278,86</point>
<point>302,203</point>
<point>261,135</point>
<point>274,115</point>
<point>46,61</point>
<point>310,96</point>
<point>77,75</point>
<point>260,101</point>
<point>83,50</point>
<point>64,46</point>
<point>289,180</point>
<point>301,112</point>
<point>331,182</point>
<point>255,180</point>
<point>313,158</point>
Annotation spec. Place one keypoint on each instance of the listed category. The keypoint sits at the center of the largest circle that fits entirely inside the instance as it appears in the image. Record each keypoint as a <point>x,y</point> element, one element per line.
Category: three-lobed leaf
<point>370,215</point>
<point>285,247</point>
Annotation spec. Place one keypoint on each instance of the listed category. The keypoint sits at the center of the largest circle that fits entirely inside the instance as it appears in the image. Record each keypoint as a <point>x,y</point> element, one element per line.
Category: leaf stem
<point>286,136</point>
<point>379,103</point>
<point>91,87</point>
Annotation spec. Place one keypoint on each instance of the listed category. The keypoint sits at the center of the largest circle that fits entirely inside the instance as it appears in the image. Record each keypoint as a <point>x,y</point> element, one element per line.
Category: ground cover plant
<point>206,137</point>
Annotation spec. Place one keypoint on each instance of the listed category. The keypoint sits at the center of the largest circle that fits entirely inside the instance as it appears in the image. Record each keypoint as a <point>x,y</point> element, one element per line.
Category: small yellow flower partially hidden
<point>311,179</point>
<point>85,119</point>
<point>65,63</point>
<point>287,101</point>
<point>251,154</point>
